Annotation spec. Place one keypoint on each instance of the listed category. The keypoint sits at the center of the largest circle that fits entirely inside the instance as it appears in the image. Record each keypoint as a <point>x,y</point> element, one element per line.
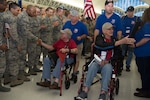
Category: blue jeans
<point>46,74</point>
<point>106,72</point>
<point>129,50</point>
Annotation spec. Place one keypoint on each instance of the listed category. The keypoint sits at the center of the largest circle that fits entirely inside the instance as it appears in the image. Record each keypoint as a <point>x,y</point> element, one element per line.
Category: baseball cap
<point>107,25</point>
<point>74,12</point>
<point>61,7</point>
<point>66,31</point>
<point>130,8</point>
<point>108,1</point>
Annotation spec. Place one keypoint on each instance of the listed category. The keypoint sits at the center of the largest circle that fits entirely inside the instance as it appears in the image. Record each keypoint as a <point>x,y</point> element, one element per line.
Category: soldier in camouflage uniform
<point>47,31</point>
<point>12,55</point>
<point>89,38</point>
<point>24,32</point>
<point>32,48</point>
<point>58,20</point>
<point>3,47</point>
<point>38,48</point>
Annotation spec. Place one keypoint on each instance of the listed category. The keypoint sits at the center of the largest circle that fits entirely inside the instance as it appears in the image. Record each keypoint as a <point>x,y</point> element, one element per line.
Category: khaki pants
<point>79,47</point>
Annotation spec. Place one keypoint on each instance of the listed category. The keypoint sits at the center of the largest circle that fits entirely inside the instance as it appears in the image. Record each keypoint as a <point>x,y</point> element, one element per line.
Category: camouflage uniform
<point>2,54</point>
<point>12,54</point>
<point>32,49</point>
<point>56,29</point>
<point>87,41</point>
<point>46,33</point>
<point>24,32</point>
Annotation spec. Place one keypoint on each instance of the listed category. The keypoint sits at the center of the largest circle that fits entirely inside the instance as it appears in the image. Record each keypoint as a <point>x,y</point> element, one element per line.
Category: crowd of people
<point>35,30</point>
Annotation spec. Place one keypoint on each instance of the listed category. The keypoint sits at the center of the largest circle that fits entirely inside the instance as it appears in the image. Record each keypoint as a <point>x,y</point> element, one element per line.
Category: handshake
<point>39,42</point>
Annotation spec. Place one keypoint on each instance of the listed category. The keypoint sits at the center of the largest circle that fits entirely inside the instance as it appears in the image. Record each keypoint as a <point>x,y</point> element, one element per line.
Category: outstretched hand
<point>38,41</point>
<point>128,40</point>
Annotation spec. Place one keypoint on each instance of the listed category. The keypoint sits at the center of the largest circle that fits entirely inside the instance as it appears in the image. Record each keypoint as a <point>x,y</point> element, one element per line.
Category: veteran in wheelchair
<point>65,49</point>
<point>105,44</point>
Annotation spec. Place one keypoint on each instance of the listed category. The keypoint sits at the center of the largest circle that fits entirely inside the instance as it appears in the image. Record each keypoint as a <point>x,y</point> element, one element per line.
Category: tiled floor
<point>30,91</point>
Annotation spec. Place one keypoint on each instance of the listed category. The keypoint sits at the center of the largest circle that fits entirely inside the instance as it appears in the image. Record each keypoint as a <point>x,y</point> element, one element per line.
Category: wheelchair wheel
<point>117,86</point>
<point>67,84</point>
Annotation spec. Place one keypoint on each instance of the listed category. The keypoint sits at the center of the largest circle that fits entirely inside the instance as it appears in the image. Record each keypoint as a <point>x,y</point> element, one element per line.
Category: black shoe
<point>36,69</point>
<point>138,89</point>
<point>102,96</point>
<point>142,94</point>
<point>82,96</point>
<point>74,78</point>
<point>40,63</point>
<point>128,69</point>
<point>4,89</point>
<point>32,72</point>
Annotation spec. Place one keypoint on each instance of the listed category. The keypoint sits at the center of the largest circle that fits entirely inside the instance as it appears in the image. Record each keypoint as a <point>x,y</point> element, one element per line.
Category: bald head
<point>31,10</point>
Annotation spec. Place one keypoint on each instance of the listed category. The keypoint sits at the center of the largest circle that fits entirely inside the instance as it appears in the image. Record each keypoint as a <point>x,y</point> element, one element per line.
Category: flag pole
<point>20,3</point>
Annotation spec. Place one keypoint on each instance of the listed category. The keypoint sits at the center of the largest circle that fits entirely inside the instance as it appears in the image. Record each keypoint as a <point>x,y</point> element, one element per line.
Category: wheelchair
<point>65,70</point>
<point>114,82</point>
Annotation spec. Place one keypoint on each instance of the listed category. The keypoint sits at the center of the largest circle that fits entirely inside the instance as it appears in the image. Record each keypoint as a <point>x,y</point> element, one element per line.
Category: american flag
<point>89,9</point>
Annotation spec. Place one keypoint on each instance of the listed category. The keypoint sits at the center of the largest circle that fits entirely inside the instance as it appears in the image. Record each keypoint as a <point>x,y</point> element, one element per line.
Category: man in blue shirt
<point>80,32</point>
<point>109,16</point>
<point>128,23</point>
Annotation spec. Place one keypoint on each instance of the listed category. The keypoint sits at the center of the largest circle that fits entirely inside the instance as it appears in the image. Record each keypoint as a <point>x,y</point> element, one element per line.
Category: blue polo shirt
<point>115,20</point>
<point>144,50</point>
<point>77,30</point>
<point>128,24</point>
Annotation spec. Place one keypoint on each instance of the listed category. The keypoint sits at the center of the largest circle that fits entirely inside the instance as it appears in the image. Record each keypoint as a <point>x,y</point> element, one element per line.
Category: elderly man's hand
<point>38,41</point>
<point>128,40</point>
<point>64,50</point>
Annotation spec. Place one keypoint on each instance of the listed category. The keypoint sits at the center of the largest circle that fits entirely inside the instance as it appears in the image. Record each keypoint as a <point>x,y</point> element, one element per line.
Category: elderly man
<point>80,32</point>
<point>64,45</point>
<point>107,43</point>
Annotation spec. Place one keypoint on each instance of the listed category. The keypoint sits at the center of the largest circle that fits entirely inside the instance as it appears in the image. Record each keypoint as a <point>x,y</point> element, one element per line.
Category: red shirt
<point>109,52</point>
<point>61,44</point>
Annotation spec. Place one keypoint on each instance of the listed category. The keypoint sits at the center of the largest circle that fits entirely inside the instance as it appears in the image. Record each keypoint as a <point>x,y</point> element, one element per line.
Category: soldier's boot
<point>21,76</point>
<point>26,74</point>
<point>36,69</point>
<point>15,81</point>
<point>3,89</point>
<point>31,71</point>
<point>7,79</point>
